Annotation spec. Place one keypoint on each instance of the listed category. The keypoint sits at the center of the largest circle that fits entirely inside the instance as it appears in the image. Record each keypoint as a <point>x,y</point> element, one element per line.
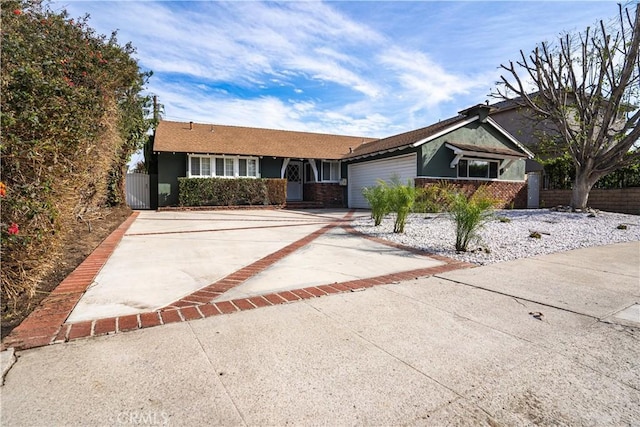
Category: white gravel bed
<point>504,241</point>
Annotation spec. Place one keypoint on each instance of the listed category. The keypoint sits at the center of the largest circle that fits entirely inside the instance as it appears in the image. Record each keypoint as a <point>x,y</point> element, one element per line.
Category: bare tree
<point>588,86</point>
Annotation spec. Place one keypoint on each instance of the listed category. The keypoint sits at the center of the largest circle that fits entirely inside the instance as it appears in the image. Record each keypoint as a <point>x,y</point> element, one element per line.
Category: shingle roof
<point>216,139</point>
<point>404,139</point>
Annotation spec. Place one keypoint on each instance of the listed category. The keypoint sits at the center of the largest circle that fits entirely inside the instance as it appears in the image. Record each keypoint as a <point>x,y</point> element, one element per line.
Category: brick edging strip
<point>91,328</point>
<point>43,324</point>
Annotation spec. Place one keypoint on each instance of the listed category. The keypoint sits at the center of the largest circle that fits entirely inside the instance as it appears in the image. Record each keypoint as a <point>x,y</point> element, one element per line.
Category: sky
<point>358,68</point>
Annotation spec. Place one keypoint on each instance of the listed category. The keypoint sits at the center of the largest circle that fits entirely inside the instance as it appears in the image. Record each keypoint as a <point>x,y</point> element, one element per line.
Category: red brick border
<point>46,324</point>
<point>43,325</point>
<point>184,314</point>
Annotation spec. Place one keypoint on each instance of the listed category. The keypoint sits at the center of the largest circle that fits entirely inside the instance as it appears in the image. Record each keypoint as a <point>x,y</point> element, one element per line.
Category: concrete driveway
<point>552,340</point>
<point>173,266</point>
<point>166,256</point>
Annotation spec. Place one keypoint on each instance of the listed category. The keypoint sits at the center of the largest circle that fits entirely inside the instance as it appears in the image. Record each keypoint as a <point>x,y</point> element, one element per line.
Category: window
<point>462,169</point>
<point>195,166</point>
<point>205,166</point>
<point>229,167</point>
<point>219,166</point>
<point>472,168</point>
<point>252,167</point>
<point>247,167</point>
<point>330,171</point>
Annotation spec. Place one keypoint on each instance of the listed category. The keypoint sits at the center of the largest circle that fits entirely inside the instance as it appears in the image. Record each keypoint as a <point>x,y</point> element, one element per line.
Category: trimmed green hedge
<point>231,192</point>
<point>276,191</point>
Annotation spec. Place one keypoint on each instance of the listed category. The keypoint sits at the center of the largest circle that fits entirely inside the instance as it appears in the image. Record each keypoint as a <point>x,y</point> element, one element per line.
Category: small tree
<point>470,214</point>
<point>588,88</point>
<point>139,167</point>
<point>378,198</point>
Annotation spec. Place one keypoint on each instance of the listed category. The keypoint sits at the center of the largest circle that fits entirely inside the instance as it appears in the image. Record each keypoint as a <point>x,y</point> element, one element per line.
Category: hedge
<point>231,192</point>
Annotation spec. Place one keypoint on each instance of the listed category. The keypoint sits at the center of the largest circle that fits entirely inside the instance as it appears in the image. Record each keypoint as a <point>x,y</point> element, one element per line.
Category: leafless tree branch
<point>588,87</point>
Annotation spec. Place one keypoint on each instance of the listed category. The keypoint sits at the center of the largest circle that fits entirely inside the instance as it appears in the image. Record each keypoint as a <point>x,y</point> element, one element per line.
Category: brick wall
<point>329,194</point>
<point>506,192</point>
<point>622,200</point>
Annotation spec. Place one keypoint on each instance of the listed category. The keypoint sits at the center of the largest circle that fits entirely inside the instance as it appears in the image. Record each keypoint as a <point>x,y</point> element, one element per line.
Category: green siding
<point>170,167</point>
<point>436,157</point>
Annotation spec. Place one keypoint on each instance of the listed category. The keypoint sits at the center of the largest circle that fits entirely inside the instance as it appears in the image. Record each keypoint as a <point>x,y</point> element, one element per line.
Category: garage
<point>367,174</point>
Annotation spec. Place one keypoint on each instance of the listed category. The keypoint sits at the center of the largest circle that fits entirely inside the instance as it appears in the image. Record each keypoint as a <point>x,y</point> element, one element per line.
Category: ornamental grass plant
<point>395,198</point>
<point>378,198</point>
<point>401,201</point>
<point>470,214</point>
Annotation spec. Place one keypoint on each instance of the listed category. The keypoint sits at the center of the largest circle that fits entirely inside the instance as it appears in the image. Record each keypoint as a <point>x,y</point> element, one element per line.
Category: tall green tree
<point>588,86</point>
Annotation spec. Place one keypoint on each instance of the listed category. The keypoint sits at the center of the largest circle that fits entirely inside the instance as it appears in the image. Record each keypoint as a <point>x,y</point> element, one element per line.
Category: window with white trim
<point>227,167</point>
<point>330,171</point>
<point>247,167</point>
<point>477,168</point>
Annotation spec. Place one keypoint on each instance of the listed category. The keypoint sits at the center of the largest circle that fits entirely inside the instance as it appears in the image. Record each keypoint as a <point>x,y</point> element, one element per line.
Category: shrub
<point>401,200</point>
<point>470,214</point>
<point>229,192</point>
<point>72,114</point>
<point>378,198</point>
<point>276,191</point>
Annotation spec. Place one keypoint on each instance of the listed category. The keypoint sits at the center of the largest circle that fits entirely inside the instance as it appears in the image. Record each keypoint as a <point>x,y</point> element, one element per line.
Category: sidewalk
<point>545,340</point>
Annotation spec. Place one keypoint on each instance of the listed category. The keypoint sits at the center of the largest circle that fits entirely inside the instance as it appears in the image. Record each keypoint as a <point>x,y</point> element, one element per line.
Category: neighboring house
<point>518,120</point>
<point>470,149</point>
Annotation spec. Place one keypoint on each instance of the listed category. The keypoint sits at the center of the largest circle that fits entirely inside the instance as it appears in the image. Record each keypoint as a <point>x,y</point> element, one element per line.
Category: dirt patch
<point>79,243</point>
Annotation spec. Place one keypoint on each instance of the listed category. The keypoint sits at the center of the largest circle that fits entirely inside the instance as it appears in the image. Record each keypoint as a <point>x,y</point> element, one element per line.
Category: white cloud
<point>372,69</point>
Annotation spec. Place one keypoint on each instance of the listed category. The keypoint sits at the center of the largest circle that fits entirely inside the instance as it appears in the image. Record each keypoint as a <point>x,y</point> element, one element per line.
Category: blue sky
<point>355,68</point>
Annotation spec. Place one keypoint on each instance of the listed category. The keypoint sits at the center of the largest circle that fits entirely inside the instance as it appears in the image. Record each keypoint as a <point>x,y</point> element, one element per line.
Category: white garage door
<point>366,174</point>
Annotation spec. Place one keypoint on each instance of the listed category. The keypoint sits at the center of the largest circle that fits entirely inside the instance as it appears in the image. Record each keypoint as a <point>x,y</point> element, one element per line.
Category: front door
<point>294,181</point>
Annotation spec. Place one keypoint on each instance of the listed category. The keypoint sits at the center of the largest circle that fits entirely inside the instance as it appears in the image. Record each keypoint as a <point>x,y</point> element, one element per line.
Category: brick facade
<point>621,200</point>
<point>510,194</point>
<point>331,195</point>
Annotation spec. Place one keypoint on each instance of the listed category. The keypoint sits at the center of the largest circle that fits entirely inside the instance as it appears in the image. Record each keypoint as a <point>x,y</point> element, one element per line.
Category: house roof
<point>405,140</point>
<point>418,137</point>
<point>216,139</point>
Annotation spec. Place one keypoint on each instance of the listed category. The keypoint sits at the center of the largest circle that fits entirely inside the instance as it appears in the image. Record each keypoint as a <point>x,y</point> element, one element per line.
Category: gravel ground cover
<point>507,236</point>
